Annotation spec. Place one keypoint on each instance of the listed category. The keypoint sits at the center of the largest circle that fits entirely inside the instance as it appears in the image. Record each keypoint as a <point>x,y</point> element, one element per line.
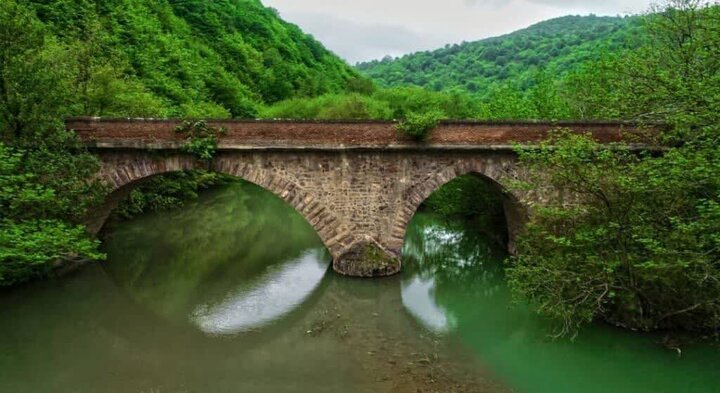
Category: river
<point>233,293</point>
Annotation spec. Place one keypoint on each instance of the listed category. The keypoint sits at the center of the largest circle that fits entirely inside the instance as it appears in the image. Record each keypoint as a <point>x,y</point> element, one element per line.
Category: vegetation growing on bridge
<point>201,139</point>
<point>419,125</point>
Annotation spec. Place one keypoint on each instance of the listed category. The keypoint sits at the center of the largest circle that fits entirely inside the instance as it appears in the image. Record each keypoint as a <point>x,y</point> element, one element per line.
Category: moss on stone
<point>367,260</point>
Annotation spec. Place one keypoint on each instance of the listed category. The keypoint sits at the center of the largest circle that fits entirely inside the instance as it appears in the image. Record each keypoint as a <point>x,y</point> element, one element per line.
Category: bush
<point>634,241</point>
<point>44,193</point>
<point>330,107</point>
<point>418,126</point>
<point>30,248</point>
<point>201,139</point>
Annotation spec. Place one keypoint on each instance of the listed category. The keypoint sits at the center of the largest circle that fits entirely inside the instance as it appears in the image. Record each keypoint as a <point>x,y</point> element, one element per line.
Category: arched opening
<point>234,259</point>
<point>468,194</point>
<point>475,199</point>
<point>456,242</point>
<point>124,174</point>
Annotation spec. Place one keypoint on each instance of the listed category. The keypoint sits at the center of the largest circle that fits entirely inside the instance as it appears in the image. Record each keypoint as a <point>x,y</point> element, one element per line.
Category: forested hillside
<point>555,46</point>
<point>184,57</point>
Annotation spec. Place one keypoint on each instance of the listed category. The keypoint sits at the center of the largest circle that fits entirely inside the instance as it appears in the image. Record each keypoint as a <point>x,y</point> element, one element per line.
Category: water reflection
<point>440,255</point>
<point>237,259</point>
<point>264,298</point>
<point>418,297</point>
<point>240,258</point>
<point>465,295</point>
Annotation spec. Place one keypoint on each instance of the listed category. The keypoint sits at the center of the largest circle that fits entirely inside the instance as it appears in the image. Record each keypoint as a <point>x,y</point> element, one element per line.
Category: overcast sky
<point>360,30</point>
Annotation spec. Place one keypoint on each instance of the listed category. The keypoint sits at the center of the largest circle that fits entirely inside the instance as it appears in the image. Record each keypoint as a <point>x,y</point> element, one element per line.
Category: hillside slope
<point>555,46</point>
<point>187,57</point>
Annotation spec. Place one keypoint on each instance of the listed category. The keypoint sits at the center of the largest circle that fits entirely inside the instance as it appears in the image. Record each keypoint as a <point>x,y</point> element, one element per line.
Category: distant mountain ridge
<point>554,46</point>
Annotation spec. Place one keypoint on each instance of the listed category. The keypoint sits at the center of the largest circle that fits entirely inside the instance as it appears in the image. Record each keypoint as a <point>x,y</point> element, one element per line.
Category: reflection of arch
<point>122,176</point>
<point>516,212</point>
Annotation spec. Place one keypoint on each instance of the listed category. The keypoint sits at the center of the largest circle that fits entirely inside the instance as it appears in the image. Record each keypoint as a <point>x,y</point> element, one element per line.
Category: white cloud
<point>371,29</point>
<point>357,41</point>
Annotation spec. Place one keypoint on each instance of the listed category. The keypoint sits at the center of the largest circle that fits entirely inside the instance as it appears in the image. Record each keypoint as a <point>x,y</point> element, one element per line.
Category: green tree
<point>634,240</point>
<point>45,175</point>
<point>37,214</point>
<point>34,74</point>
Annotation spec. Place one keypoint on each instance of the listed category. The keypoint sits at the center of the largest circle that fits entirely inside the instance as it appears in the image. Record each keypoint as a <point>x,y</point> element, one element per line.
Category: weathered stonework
<point>359,191</point>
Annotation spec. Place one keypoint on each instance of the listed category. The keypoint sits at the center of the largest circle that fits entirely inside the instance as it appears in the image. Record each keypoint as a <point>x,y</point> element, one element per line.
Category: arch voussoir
<point>325,223</point>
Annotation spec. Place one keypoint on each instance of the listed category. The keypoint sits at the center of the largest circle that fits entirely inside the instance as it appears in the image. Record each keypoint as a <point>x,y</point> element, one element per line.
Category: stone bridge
<point>357,183</point>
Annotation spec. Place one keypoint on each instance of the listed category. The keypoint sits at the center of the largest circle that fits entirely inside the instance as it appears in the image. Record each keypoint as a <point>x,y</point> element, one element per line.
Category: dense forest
<point>637,245</point>
<point>556,47</point>
<point>181,58</point>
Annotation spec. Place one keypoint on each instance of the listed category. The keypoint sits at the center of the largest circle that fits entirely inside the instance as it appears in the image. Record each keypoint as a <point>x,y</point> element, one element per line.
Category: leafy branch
<point>419,125</point>
<point>201,139</point>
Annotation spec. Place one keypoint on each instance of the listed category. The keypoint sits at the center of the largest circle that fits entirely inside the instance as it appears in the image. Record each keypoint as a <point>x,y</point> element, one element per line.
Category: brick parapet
<point>137,133</point>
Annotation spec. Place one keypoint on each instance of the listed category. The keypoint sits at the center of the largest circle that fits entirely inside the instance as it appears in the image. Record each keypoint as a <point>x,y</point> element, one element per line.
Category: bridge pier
<point>367,258</point>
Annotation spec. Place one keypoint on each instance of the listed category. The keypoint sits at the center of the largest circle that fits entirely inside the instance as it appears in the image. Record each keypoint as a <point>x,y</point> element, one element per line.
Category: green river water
<point>233,293</point>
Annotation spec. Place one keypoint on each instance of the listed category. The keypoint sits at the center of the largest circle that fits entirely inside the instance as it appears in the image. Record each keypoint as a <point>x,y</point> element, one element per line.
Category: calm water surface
<point>233,293</point>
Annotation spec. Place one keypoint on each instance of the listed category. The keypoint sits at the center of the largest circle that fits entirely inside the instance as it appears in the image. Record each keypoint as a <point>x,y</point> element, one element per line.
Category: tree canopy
<point>556,47</point>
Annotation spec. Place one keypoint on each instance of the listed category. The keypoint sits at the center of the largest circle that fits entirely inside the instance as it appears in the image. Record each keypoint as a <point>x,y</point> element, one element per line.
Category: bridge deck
<point>284,134</point>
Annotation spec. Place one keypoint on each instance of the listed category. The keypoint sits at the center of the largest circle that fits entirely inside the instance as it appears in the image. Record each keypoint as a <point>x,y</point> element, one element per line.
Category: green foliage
<point>201,140</point>
<point>673,78</point>
<point>168,58</point>
<point>169,191</point>
<point>45,176</point>
<point>28,249</point>
<point>384,104</point>
<point>43,192</point>
<point>33,74</point>
<point>545,100</point>
<point>419,125</point>
<point>405,100</point>
<point>634,242</point>
<point>469,197</point>
<point>330,107</point>
<point>556,46</point>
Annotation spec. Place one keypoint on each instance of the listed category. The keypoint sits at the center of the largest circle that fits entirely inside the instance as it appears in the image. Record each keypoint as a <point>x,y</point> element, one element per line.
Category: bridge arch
<point>516,212</point>
<point>122,176</point>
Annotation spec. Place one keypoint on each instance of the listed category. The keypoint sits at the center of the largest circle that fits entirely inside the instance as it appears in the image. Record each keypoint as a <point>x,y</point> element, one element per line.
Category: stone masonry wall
<point>350,198</point>
<point>357,183</point>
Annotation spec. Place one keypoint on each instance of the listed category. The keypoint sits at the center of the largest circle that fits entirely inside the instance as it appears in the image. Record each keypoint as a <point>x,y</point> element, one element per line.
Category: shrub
<point>418,126</point>
<point>633,241</point>
<point>201,139</point>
